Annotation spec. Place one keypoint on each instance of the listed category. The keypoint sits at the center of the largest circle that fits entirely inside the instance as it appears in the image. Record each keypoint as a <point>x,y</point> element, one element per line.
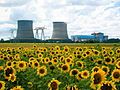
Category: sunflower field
<point>60,68</point>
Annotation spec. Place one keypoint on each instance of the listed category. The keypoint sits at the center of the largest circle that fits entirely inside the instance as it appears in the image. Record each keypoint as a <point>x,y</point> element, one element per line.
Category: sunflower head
<point>2,85</point>
<point>116,75</point>
<point>54,84</point>
<point>65,68</point>
<point>74,72</point>
<point>85,74</point>
<point>17,88</point>
<point>107,85</point>
<point>42,71</point>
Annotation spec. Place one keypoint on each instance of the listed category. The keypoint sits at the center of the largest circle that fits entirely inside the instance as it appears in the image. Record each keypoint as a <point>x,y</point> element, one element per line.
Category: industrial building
<point>94,36</point>
<point>59,31</point>
<point>25,29</point>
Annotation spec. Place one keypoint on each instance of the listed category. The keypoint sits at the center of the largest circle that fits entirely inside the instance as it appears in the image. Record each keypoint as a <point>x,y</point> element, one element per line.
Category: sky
<point>83,17</point>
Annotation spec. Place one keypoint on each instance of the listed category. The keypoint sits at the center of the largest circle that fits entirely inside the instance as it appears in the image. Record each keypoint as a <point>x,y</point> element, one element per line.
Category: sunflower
<point>66,49</point>
<point>17,88</point>
<point>42,71</point>
<point>65,68</point>
<point>57,48</point>
<point>9,70</point>
<point>118,64</point>
<point>107,85</point>
<point>97,78</point>
<point>80,64</point>
<point>40,55</point>
<point>1,56</point>
<point>118,51</point>
<point>95,69</point>
<point>71,88</point>
<point>54,84</point>
<point>12,78</point>
<point>84,55</point>
<point>106,69</point>
<point>17,57</point>
<point>111,52</point>
<point>34,64</point>
<point>79,77</point>
<point>9,63</point>
<point>116,75</point>
<point>74,72</point>
<point>54,61</point>
<point>68,61</point>
<point>85,74</point>
<point>2,85</point>
<point>96,52</point>
<point>62,59</point>
<point>21,65</point>
<point>108,60</point>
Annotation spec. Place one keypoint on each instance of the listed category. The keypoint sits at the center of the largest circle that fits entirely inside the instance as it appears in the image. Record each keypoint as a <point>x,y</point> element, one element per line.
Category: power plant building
<point>59,31</point>
<point>25,29</point>
<point>94,36</point>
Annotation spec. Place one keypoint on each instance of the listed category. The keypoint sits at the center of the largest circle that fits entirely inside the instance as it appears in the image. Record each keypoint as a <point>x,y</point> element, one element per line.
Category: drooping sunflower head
<point>116,75</point>
<point>2,85</point>
<point>42,71</point>
<point>9,70</point>
<point>12,78</point>
<point>54,84</point>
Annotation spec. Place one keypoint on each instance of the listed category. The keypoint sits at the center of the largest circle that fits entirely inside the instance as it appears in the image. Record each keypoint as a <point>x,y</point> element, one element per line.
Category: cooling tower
<point>25,29</point>
<point>59,30</point>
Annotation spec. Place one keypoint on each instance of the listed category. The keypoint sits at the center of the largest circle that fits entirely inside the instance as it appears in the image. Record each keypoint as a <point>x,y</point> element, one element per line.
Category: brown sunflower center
<point>0,85</point>
<point>96,69</point>
<point>64,67</point>
<point>8,71</point>
<point>116,74</point>
<point>74,72</point>
<point>107,59</point>
<point>105,69</point>
<point>85,73</point>
<point>54,85</point>
<point>68,60</point>
<point>36,64</point>
<point>97,78</point>
<point>42,71</point>
<point>106,87</point>
<point>21,65</point>
<point>79,64</point>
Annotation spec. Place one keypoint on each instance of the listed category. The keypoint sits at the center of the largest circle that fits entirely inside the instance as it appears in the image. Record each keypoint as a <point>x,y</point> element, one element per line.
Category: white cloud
<point>82,16</point>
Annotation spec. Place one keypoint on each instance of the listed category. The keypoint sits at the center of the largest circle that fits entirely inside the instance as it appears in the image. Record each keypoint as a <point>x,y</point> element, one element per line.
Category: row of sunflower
<point>60,68</point>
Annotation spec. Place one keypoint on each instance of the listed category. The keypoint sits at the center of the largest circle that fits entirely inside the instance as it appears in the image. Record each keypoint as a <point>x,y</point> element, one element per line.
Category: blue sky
<point>81,16</point>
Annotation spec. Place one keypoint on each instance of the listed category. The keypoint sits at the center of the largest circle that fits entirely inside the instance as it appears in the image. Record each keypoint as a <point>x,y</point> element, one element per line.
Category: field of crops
<point>59,66</point>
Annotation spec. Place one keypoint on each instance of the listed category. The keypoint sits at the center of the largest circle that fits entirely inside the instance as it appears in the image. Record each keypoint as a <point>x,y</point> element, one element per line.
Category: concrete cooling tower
<point>25,29</point>
<point>59,30</point>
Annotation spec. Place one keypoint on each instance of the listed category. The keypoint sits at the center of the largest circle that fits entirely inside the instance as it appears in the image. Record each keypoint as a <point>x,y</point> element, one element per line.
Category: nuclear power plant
<point>25,29</point>
<point>59,34</point>
<point>59,31</point>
